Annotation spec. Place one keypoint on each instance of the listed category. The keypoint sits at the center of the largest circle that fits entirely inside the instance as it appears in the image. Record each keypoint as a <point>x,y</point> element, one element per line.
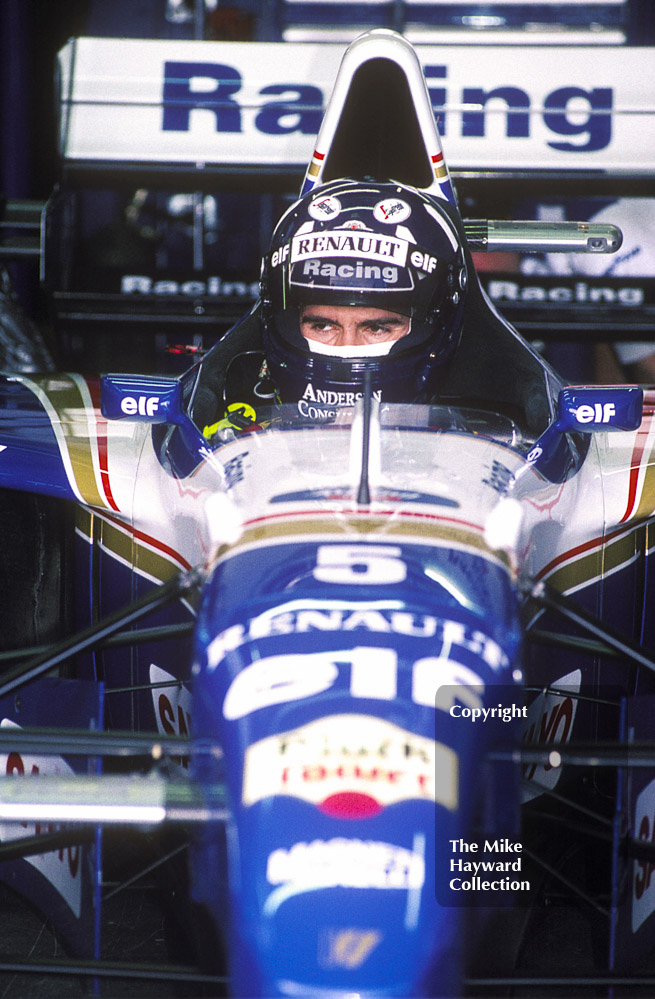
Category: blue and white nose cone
<point>348,772</point>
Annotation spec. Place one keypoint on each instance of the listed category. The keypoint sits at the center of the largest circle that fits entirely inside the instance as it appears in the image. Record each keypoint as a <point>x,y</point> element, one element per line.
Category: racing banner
<point>202,105</point>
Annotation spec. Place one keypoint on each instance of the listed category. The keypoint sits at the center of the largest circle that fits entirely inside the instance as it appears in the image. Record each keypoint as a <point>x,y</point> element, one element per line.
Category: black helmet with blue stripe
<point>378,245</point>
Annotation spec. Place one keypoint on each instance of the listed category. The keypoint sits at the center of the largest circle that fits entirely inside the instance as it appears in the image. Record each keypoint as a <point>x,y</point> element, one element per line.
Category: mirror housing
<point>587,409</point>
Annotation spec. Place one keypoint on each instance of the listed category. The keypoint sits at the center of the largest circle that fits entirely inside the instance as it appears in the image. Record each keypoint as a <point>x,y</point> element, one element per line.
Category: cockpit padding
<point>493,365</point>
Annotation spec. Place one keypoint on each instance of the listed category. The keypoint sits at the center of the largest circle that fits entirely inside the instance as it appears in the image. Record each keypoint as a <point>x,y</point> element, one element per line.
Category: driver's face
<point>351,325</point>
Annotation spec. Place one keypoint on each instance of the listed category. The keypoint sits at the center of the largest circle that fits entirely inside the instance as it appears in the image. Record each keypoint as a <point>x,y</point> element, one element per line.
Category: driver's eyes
<point>316,325</point>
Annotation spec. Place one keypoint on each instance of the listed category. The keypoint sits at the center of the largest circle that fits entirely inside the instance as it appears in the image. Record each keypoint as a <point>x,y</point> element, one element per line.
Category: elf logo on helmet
<point>424,261</point>
<point>279,256</point>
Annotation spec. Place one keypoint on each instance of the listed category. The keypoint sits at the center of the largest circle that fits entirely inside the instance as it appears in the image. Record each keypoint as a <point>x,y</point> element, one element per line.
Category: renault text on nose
<point>581,118</point>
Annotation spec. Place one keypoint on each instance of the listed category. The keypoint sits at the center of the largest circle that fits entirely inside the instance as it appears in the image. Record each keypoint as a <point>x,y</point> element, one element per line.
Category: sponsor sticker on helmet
<point>349,243</point>
<point>344,275</point>
<point>323,208</point>
<point>392,211</point>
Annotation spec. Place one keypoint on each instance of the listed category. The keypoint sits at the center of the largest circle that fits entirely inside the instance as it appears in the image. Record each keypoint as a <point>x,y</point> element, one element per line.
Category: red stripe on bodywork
<point>101,434</point>
<point>160,546</point>
<point>147,539</point>
<point>635,464</point>
<point>572,553</point>
<point>367,514</point>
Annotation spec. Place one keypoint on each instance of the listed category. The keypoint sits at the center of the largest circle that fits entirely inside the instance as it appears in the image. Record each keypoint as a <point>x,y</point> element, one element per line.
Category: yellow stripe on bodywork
<point>646,506</point>
<point>387,529</point>
<point>120,543</point>
<point>601,561</point>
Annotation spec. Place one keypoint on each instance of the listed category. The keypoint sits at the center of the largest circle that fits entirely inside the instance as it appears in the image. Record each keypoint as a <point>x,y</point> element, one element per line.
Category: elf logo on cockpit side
<point>143,405</point>
<point>581,117</point>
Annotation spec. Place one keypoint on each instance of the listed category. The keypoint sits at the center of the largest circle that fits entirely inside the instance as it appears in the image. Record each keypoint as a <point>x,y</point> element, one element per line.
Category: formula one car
<point>384,667</point>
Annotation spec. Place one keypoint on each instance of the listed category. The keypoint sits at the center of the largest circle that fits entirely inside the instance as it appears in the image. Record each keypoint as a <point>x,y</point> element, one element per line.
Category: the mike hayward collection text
<point>501,856</point>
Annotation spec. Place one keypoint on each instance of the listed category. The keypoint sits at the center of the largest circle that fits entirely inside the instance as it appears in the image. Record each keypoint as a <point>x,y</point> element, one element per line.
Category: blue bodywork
<point>273,661</point>
<point>339,677</point>
<point>31,458</point>
<point>290,637</point>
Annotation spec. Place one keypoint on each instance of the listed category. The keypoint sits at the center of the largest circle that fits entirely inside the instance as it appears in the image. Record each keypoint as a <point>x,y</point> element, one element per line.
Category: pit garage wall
<point>156,243</point>
<point>232,127</point>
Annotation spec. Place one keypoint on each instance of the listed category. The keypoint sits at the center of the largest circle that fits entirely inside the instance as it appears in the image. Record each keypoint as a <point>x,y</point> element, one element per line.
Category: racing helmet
<point>381,245</point>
